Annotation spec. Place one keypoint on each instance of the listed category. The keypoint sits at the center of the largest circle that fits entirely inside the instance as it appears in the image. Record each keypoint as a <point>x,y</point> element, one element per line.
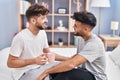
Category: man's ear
<point>33,20</point>
<point>86,29</point>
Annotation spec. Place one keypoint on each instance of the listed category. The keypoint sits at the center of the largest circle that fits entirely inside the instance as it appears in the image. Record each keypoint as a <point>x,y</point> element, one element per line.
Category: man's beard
<point>40,27</point>
<point>77,34</point>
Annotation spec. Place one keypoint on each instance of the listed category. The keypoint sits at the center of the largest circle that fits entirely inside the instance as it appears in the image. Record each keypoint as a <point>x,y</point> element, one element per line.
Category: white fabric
<point>112,70</point>
<point>25,45</point>
<point>5,72</point>
<point>115,55</point>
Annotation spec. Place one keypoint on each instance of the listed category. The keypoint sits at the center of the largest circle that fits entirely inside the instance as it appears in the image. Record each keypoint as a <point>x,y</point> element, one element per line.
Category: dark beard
<point>40,28</point>
<point>76,34</point>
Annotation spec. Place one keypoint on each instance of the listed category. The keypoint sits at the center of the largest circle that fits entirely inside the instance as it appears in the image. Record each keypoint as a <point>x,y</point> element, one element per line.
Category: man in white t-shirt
<point>29,47</point>
<point>89,61</point>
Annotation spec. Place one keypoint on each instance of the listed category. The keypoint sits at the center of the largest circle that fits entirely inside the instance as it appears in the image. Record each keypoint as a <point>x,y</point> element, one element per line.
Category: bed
<point>112,70</point>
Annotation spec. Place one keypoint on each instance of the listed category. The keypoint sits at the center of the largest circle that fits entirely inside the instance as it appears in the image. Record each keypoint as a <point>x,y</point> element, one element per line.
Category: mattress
<point>112,70</point>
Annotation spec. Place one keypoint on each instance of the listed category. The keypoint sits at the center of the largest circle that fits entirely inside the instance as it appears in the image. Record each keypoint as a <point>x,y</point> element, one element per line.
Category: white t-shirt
<point>25,45</point>
<point>93,50</point>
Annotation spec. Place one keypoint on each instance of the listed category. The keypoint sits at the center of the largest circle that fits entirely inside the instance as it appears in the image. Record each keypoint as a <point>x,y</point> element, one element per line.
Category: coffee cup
<point>51,57</point>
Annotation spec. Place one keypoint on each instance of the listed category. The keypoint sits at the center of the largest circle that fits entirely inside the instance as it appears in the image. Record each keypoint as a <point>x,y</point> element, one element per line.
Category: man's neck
<point>34,30</point>
<point>86,37</point>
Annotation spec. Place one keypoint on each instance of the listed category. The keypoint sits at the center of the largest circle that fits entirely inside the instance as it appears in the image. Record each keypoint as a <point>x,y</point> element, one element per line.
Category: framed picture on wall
<point>62,10</point>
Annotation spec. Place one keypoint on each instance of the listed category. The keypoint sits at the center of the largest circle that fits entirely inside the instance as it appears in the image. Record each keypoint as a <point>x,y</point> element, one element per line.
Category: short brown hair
<point>35,10</point>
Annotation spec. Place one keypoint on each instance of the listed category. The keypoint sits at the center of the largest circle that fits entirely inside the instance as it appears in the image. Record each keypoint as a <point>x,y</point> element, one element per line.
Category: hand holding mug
<point>41,60</point>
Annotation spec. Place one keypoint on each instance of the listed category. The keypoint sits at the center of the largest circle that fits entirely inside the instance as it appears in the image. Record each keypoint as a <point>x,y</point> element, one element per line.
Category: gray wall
<point>8,21</point>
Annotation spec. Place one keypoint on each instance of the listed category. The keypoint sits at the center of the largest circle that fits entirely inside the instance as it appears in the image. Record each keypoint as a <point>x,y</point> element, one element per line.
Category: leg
<point>34,73</point>
<point>75,74</point>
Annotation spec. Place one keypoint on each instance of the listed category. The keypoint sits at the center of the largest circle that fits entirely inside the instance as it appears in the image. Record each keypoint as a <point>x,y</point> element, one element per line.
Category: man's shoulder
<point>96,43</point>
<point>95,38</point>
<point>23,31</point>
<point>20,34</point>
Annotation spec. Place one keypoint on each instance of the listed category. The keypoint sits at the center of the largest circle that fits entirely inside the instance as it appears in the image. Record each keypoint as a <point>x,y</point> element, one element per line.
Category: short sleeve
<point>90,51</point>
<point>16,46</point>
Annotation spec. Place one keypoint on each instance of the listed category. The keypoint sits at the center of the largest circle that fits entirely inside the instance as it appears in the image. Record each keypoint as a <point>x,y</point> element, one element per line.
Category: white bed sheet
<point>112,70</point>
<point>5,72</point>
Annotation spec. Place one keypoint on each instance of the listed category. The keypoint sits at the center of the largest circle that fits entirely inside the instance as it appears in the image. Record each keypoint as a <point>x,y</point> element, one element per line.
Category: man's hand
<point>41,60</point>
<point>42,76</point>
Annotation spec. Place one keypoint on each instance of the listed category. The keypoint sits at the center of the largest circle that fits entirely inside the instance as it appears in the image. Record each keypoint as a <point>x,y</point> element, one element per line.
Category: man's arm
<point>15,62</point>
<point>67,65</point>
<point>57,56</point>
<point>64,66</point>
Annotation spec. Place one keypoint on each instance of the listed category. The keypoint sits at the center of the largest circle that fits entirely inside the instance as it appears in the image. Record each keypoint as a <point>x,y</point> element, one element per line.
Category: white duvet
<point>113,71</point>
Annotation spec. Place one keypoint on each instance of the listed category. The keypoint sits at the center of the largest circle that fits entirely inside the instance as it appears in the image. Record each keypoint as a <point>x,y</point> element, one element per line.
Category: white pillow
<point>115,55</point>
<point>4,55</point>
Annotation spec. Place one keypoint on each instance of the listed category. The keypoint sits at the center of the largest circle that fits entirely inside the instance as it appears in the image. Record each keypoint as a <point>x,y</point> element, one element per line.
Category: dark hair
<point>35,10</point>
<point>85,17</point>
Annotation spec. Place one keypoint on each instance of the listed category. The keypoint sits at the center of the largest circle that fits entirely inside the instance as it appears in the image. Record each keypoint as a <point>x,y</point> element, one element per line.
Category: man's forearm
<point>60,57</point>
<point>21,63</point>
<point>62,67</point>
